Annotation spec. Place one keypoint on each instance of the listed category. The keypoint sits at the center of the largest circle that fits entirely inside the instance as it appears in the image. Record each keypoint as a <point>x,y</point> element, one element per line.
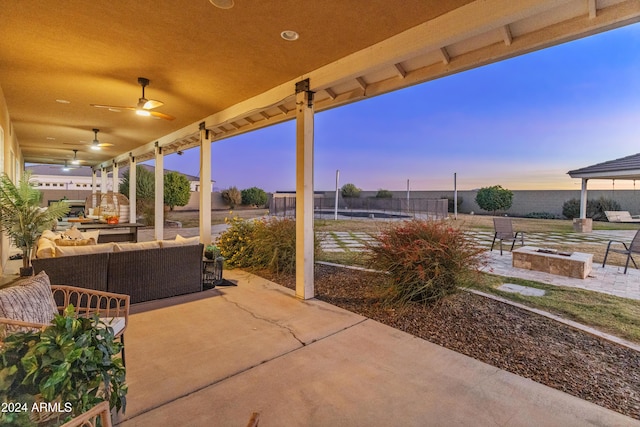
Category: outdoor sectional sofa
<point>145,271</point>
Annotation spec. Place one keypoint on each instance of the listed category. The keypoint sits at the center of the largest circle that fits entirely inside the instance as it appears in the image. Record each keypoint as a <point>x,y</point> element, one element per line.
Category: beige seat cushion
<point>45,249</point>
<point>124,247</point>
<point>116,323</point>
<point>83,250</point>
<point>181,241</point>
<point>29,300</point>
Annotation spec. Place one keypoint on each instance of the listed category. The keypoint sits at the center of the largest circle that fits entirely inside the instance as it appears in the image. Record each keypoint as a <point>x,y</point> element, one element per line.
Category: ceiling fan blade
<point>152,103</point>
<point>161,115</point>
<point>105,144</point>
<point>112,107</point>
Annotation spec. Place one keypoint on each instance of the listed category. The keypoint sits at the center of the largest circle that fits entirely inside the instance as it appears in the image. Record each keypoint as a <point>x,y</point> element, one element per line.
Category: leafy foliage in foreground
<point>71,362</point>
<point>426,260</point>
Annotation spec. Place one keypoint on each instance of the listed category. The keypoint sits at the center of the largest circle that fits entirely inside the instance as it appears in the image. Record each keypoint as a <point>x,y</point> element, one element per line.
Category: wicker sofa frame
<point>144,275</point>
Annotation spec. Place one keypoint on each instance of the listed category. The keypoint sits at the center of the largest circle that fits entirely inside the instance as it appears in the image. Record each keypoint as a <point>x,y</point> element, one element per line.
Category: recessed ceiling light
<point>222,4</point>
<point>50,138</point>
<point>289,35</point>
<point>63,101</point>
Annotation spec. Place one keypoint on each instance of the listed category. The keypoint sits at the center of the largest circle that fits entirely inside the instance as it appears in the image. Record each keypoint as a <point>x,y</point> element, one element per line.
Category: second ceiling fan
<point>144,106</point>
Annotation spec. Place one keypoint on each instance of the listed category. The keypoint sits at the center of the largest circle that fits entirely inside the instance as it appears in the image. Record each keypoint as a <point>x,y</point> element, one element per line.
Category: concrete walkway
<point>215,358</point>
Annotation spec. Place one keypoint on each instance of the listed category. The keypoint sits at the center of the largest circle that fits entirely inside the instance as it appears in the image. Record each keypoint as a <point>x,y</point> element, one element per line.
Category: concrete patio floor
<point>214,358</point>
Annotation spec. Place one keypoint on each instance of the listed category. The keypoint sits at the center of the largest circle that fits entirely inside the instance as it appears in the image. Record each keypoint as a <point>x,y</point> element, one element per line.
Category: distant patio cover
<point>627,168</point>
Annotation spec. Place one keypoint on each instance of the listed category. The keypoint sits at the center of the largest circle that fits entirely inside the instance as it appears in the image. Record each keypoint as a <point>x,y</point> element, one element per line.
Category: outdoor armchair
<point>504,231</point>
<point>113,309</point>
<point>632,248</point>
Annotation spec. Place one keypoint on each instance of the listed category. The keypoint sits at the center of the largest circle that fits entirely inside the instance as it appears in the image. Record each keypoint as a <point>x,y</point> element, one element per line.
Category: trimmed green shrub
<point>595,208</point>
<point>232,197</point>
<point>426,260</point>
<point>177,189</point>
<point>234,242</point>
<point>350,190</point>
<point>384,194</point>
<point>494,198</point>
<point>540,215</point>
<point>254,196</point>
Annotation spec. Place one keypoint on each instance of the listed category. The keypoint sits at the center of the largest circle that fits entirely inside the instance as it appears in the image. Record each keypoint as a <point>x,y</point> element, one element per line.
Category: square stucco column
<point>304,192</point>
<point>159,200</point>
<point>133,214</point>
<point>205,185</point>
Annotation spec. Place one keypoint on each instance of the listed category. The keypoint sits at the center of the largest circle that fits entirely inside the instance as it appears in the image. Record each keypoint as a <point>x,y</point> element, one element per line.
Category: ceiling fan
<point>144,105</point>
<point>65,167</point>
<point>95,144</point>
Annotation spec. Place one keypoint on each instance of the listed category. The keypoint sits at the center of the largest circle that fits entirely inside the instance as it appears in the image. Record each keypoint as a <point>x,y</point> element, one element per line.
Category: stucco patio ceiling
<point>230,69</point>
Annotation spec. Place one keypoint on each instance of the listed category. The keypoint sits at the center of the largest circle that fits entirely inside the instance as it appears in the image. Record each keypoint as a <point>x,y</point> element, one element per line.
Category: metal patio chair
<point>633,248</point>
<point>504,231</point>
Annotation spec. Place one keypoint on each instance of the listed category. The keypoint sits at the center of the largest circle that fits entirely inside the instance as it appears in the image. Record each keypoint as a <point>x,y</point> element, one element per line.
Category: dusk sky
<point>521,123</point>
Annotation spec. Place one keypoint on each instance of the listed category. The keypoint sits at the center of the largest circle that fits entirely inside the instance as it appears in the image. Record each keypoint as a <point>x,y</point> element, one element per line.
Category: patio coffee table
<point>572,264</point>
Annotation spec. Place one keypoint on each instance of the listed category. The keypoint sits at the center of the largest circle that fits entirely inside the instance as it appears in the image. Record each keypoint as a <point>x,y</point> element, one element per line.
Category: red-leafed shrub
<point>426,260</point>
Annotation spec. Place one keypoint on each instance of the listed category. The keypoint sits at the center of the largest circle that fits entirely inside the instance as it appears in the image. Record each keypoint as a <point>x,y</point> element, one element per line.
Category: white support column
<point>94,181</point>
<point>304,191</point>
<point>133,182</point>
<point>205,185</point>
<point>159,205</point>
<point>114,178</point>
<point>583,199</point>
<point>103,181</point>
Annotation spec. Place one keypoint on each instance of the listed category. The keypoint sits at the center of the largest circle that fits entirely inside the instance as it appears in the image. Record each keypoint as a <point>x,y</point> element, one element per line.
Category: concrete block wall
<point>524,201</point>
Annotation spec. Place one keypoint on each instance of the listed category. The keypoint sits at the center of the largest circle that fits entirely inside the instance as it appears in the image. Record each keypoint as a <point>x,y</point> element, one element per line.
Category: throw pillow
<point>29,300</point>
<point>76,242</point>
<point>46,248</point>
<point>91,234</point>
<point>73,233</point>
<point>48,234</point>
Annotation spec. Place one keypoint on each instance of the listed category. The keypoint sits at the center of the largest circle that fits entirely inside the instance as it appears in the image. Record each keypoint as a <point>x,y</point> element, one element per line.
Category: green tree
<point>494,198</point>
<point>254,196</point>
<point>350,190</point>
<point>145,192</point>
<point>177,190</point>
<point>384,194</point>
<point>232,197</point>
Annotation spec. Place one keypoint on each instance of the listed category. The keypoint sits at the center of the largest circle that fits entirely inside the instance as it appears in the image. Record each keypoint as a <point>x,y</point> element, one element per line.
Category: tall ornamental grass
<point>425,260</point>
<point>264,244</point>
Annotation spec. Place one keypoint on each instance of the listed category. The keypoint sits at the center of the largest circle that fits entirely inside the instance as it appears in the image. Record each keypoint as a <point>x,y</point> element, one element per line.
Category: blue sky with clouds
<point>521,123</point>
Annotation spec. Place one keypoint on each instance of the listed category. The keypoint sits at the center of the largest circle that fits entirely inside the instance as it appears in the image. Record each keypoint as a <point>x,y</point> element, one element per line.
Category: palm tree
<point>21,216</point>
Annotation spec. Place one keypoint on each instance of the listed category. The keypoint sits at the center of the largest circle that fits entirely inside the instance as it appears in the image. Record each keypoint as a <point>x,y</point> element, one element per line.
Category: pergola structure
<point>625,168</point>
<point>221,72</point>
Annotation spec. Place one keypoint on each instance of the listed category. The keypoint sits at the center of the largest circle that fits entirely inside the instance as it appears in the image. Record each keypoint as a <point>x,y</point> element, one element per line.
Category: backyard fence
<point>353,208</point>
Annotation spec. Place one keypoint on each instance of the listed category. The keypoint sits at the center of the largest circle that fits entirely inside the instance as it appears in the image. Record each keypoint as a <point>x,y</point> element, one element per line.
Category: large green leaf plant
<point>21,216</point>
<point>72,363</point>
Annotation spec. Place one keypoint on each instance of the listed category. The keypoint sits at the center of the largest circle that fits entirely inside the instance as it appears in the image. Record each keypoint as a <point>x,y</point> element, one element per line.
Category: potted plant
<point>69,366</point>
<point>211,252</point>
<point>22,218</point>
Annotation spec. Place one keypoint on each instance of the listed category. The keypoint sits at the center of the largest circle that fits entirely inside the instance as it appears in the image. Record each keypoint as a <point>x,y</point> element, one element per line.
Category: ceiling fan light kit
<point>143,106</point>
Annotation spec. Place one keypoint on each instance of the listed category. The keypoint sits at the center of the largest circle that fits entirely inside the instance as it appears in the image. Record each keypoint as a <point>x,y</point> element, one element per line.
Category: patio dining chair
<point>632,248</point>
<point>504,231</point>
